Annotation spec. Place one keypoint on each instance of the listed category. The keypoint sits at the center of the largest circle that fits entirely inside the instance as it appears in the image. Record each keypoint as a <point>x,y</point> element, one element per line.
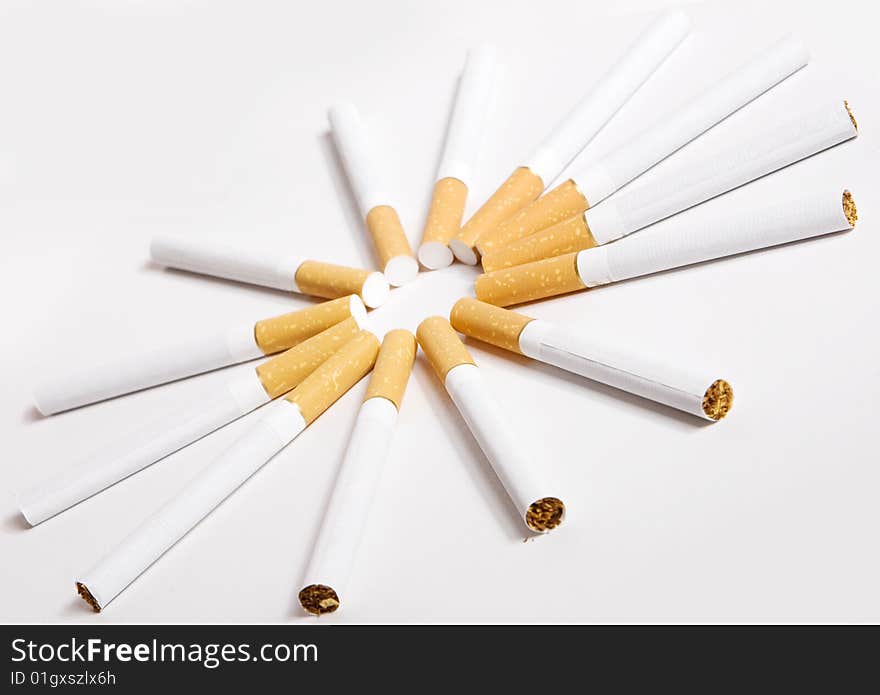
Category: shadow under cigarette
<point>481,472</point>
<point>15,522</point>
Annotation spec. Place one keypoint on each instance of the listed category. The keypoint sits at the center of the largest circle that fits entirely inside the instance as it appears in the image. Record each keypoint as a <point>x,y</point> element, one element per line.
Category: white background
<point>124,119</point>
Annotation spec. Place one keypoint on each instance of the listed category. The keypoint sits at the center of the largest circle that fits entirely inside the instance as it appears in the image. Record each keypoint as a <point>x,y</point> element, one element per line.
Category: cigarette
<point>591,184</point>
<point>456,171</point>
<point>682,243</point>
<point>517,469</point>
<point>140,449</point>
<point>574,132</point>
<point>685,186</point>
<point>280,424</point>
<point>268,269</point>
<point>362,164</point>
<point>120,374</point>
<point>341,530</point>
<point>707,397</point>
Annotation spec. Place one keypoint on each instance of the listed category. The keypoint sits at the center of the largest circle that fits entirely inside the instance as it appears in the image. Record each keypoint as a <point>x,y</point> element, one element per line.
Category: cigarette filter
<point>591,184</point>
<point>268,269</point>
<point>674,245</point>
<point>516,468</point>
<point>698,394</point>
<point>117,375</point>
<point>281,423</point>
<point>574,132</point>
<point>363,166</point>
<point>463,141</point>
<point>732,165</point>
<point>341,530</point>
<point>163,437</point>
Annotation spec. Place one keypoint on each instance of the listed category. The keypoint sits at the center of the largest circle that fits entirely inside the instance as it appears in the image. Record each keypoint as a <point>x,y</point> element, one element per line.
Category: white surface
<point>351,497</point>
<point>771,147</point>
<point>118,458</point>
<point>72,385</point>
<point>678,386</point>
<point>728,94</point>
<point>770,515</point>
<point>278,425</point>
<point>638,61</point>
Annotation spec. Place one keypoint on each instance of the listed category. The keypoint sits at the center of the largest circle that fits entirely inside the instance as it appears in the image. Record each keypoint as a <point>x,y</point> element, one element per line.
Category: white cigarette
<point>575,131</point>
<point>342,527</point>
<point>591,184</point>
<point>517,469</point>
<point>281,423</point>
<point>269,269</point>
<point>699,394</point>
<point>684,186</point>
<point>455,174</point>
<point>170,433</point>
<point>365,172</point>
<point>115,375</point>
<point>682,242</point>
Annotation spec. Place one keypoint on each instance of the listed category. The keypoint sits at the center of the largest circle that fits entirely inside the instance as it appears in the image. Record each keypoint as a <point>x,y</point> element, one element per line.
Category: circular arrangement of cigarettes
<point>533,242</point>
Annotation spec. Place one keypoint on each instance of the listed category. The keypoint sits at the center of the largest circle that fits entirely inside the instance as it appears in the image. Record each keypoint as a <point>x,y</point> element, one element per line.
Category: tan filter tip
<point>287,370</point>
<point>520,189</point>
<point>524,283</point>
<point>718,400</point>
<point>545,514</point>
<point>488,323</point>
<point>566,237</point>
<point>393,367</point>
<point>398,262</point>
<point>282,332</point>
<point>849,208</point>
<point>563,202</point>
<point>342,370</point>
<point>328,280</point>
<point>86,596</point>
<point>443,223</point>
<point>442,345</point>
<point>318,599</point>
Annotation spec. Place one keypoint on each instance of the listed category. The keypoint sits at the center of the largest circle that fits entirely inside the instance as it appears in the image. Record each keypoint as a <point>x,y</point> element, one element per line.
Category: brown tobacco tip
<point>86,596</point>
<point>718,400</point>
<point>851,116</point>
<point>849,208</point>
<point>318,599</point>
<point>545,514</point>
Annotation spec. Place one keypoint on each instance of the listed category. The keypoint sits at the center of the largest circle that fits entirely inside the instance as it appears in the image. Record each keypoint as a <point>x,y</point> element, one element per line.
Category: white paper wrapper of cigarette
<point>467,127</point>
<point>170,433</point>
<point>593,182</point>
<point>517,470</point>
<point>673,245</point>
<point>365,170</point>
<point>282,421</point>
<point>341,529</point>
<point>688,184</point>
<point>700,394</point>
<point>575,131</point>
<point>115,375</point>
<point>269,269</point>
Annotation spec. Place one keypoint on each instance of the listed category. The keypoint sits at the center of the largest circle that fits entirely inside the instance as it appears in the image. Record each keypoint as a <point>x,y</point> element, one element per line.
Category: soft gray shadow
<point>347,199</point>
<point>31,414</point>
<point>15,523</point>
<point>575,381</point>
<point>477,465</point>
<point>76,608</point>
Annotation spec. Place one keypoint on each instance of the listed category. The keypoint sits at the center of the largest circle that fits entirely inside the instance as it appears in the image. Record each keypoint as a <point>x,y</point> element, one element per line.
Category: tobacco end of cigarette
<point>851,116</point>
<point>86,596</point>
<point>318,599</point>
<point>849,208</point>
<point>718,400</point>
<point>545,514</point>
